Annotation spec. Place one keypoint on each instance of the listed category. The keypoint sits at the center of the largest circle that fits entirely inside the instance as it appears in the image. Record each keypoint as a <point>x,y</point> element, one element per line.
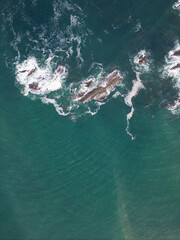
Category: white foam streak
<point>172,61</point>
<point>137,85</point>
<point>58,108</point>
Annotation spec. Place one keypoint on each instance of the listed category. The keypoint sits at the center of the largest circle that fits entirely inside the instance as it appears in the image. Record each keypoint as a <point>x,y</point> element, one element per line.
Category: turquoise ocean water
<point>83,171</point>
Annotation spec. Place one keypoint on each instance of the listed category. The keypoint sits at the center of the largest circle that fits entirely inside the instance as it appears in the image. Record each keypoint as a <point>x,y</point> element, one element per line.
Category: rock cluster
<point>34,86</point>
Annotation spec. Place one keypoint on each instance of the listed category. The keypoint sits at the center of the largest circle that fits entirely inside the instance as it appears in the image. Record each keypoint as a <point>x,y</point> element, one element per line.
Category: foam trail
<point>59,109</point>
<point>137,85</point>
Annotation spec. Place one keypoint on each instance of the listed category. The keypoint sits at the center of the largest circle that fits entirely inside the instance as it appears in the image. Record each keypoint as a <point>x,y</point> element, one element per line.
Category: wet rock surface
<point>177,53</point>
<point>102,92</point>
<point>175,67</point>
<point>31,72</point>
<point>142,59</point>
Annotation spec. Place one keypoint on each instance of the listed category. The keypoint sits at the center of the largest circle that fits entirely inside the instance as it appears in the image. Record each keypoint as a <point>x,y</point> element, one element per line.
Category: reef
<point>101,92</point>
<point>34,86</point>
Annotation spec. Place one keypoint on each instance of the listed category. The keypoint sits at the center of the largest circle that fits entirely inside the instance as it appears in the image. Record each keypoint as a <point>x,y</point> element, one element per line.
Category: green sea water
<point>85,178</point>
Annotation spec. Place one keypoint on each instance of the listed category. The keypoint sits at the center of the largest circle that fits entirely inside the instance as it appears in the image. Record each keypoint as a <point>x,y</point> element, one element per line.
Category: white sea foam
<point>137,27</point>
<point>29,72</point>
<point>172,61</point>
<point>42,81</point>
<point>177,5</point>
<point>137,85</point>
<point>90,83</point>
<point>74,20</point>
<point>78,49</point>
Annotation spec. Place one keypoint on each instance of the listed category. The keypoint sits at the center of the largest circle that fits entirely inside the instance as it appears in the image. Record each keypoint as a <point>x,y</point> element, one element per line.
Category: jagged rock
<point>34,86</point>
<point>142,59</point>
<point>177,53</point>
<point>59,69</point>
<point>31,72</point>
<point>175,67</point>
<point>88,84</point>
<point>100,92</point>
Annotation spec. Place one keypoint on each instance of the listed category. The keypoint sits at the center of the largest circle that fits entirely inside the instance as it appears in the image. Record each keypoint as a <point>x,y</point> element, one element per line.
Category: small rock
<point>34,86</point>
<point>31,72</point>
<point>175,67</point>
<point>88,84</point>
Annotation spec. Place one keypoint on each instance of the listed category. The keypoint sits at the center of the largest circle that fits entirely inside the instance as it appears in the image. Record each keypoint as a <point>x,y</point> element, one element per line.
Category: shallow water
<point>97,170</point>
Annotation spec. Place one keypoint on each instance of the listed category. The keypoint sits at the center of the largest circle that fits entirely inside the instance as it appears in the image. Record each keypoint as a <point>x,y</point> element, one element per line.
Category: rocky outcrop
<point>31,72</point>
<point>59,70</point>
<point>177,53</point>
<point>175,67</point>
<point>142,59</point>
<point>177,5</point>
<point>88,84</point>
<point>101,92</point>
<point>34,86</point>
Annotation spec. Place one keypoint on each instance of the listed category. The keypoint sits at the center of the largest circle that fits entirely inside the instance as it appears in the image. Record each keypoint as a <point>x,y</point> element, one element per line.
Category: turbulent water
<point>107,167</point>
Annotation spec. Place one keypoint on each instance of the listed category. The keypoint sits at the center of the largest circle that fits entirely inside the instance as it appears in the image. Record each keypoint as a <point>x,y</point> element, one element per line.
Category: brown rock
<point>177,53</point>
<point>59,69</point>
<point>175,67</point>
<point>88,84</point>
<point>34,86</point>
<point>23,71</point>
<point>100,93</point>
<point>142,59</point>
<point>31,72</point>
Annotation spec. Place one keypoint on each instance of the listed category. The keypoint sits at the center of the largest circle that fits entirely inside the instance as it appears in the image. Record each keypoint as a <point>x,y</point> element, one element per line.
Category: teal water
<point>81,176</point>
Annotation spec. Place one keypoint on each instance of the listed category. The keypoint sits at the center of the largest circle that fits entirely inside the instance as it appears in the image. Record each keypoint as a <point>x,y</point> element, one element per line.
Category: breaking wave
<point>172,70</point>
<point>176,5</point>
<point>39,80</point>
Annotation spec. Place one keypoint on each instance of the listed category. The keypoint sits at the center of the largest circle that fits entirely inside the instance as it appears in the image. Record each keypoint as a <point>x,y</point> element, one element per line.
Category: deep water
<point>81,176</point>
